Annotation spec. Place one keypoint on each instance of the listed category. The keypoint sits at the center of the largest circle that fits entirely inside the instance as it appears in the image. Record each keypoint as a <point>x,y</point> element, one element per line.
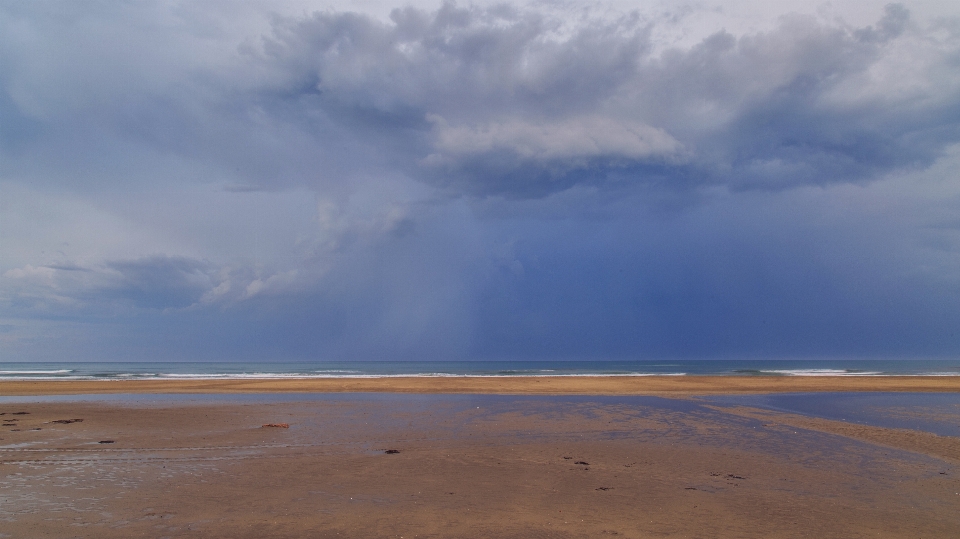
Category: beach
<point>504,457</point>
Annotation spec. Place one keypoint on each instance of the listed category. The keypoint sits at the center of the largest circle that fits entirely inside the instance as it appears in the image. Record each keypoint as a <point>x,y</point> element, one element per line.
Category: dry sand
<point>465,466</point>
<point>546,385</point>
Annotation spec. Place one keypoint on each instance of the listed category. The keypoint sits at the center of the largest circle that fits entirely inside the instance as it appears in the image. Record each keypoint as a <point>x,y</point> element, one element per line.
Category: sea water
<point>331,369</point>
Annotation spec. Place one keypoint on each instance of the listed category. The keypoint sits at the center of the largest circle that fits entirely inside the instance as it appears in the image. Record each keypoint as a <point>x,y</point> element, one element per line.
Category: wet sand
<point>516,385</point>
<point>389,465</point>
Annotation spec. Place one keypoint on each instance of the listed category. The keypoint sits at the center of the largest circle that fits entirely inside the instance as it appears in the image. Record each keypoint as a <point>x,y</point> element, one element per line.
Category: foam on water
<point>821,372</point>
<point>28,372</point>
<point>385,369</point>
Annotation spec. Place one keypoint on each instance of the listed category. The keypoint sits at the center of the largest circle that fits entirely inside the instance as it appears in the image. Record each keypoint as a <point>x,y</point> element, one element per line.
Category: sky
<point>368,180</point>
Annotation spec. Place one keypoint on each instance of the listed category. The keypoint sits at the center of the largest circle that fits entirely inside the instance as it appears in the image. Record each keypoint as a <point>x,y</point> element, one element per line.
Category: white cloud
<point>571,139</point>
<point>29,271</point>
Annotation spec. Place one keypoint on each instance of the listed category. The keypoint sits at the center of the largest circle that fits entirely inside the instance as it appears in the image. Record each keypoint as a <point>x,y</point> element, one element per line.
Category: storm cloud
<point>477,181</point>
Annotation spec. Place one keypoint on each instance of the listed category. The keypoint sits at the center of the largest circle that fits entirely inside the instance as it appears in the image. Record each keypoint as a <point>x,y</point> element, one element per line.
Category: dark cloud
<point>114,287</point>
<point>503,100</point>
<point>509,102</point>
<point>728,279</point>
<point>159,282</point>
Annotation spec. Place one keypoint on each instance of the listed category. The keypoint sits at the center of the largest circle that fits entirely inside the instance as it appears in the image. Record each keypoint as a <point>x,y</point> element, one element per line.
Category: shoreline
<point>507,385</point>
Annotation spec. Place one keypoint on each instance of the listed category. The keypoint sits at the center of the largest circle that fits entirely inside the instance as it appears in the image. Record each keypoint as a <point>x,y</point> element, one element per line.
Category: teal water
<point>323,369</point>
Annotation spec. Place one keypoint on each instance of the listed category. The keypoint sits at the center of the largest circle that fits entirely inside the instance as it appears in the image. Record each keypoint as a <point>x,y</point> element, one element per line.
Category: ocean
<point>330,369</point>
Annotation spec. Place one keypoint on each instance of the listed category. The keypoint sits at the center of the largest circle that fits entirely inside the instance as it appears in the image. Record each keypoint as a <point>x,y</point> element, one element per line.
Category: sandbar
<point>516,385</point>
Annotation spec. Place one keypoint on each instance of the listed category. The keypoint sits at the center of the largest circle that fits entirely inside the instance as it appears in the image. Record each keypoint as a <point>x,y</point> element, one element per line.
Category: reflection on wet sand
<point>466,466</point>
